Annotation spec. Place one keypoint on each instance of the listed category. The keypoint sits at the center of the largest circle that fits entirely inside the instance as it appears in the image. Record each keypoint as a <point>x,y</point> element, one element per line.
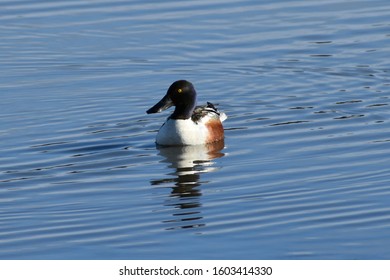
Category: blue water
<point>304,171</point>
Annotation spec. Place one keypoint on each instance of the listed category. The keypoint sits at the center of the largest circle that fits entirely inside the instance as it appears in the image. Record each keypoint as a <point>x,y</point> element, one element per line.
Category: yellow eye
<point>179,90</point>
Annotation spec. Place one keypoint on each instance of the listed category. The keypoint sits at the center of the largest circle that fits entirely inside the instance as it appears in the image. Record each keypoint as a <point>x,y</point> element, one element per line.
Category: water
<point>304,169</point>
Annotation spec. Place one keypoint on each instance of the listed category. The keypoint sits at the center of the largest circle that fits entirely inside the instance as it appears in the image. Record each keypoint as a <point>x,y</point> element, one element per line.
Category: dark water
<point>304,172</point>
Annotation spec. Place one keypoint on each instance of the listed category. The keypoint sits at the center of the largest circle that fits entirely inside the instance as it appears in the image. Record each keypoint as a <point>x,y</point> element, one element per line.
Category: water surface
<point>304,171</point>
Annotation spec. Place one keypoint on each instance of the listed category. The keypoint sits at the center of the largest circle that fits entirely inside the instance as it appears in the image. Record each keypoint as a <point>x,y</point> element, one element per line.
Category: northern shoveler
<point>189,124</point>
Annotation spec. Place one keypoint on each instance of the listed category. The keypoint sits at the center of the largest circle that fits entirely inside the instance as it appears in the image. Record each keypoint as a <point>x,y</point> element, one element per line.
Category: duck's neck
<point>183,112</point>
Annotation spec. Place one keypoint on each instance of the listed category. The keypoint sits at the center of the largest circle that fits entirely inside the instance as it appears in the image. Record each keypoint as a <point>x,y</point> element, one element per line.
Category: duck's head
<point>180,94</point>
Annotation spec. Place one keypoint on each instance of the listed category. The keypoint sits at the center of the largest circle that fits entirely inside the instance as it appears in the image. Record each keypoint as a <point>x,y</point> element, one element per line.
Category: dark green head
<point>180,94</point>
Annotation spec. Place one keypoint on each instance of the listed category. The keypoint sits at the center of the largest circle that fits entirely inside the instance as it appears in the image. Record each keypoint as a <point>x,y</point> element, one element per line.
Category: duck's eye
<point>179,90</point>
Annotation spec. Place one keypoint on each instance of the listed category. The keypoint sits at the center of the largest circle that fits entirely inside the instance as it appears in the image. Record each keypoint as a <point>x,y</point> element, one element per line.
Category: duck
<point>188,124</point>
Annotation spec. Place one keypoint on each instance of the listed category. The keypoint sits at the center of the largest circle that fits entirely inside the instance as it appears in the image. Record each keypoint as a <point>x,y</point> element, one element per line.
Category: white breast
<point>181,132</point>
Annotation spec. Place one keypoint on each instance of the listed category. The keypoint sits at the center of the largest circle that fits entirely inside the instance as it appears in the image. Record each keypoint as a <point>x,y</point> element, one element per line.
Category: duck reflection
<point>188,163</point>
